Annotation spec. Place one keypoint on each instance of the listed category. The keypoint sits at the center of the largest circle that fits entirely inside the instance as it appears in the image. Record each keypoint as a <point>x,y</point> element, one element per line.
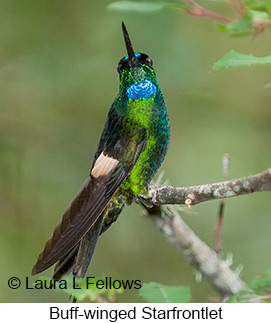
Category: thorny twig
<point>195,251</point>
<point>166,194</point>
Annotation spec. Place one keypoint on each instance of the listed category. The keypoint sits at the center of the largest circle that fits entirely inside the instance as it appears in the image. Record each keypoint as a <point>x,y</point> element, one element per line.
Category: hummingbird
<point>132,147</point>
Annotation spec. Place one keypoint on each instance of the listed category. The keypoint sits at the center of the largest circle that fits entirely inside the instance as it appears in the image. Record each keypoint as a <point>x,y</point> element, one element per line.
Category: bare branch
<point>161,195</point>
<point>196,252</point>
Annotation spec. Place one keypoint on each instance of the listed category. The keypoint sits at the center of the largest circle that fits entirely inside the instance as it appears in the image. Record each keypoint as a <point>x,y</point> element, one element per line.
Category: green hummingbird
<point>132,147</point>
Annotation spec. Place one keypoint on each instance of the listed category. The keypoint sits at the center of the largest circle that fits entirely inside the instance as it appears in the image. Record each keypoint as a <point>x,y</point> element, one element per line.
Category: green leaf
<point>237,28</point>
<point>145,7</point>
<point>156,293</point>
<point>258,290</point>
<point>92,292</point>
<point>268,5</point>
<point>261,284</point>
<point>136,6</point>
<point>260,14</point>
<point>235,59</point>
<point>83,291</point>
<point>263,5</point>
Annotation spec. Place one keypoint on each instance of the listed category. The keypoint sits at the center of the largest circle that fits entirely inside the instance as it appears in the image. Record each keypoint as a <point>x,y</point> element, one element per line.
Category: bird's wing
<point>108,173</point>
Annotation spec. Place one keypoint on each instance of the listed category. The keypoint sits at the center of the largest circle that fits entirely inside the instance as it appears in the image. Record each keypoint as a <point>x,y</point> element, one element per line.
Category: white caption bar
<point>124,312</point>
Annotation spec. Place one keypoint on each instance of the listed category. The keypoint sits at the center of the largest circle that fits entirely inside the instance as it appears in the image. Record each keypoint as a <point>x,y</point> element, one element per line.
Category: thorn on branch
<point>218,240</point>
<point>188,202</point>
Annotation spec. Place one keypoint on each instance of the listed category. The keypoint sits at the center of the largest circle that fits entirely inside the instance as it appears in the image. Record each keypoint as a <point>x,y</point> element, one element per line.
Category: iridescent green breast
<point>150,114</point>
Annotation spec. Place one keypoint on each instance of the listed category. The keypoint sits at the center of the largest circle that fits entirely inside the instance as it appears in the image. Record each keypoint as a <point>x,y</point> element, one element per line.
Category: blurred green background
<point>57,81</point>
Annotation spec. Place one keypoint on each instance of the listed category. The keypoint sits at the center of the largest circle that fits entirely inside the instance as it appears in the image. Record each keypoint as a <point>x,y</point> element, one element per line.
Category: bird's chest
<point>145,114</point>
<point>142,113</point>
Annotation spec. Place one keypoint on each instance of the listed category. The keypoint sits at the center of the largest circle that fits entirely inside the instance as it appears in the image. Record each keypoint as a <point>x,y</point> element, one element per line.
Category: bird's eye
<point>119,69</point>
<point>149,61</point>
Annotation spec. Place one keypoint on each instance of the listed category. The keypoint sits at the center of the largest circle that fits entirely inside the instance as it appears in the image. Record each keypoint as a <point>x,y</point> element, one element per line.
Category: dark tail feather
<point>65,266</point>
<point>78,259</point>
<point>86,248</point>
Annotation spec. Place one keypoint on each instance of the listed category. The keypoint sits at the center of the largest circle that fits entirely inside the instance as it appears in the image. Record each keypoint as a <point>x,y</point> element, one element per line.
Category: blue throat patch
<point>142,90</point>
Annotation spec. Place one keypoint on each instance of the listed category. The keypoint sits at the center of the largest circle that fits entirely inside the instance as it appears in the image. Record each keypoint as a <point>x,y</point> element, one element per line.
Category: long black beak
<point>129,47</point>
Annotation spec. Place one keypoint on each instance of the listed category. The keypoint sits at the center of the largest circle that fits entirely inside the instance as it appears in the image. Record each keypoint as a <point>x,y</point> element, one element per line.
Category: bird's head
<point>137,76</point>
